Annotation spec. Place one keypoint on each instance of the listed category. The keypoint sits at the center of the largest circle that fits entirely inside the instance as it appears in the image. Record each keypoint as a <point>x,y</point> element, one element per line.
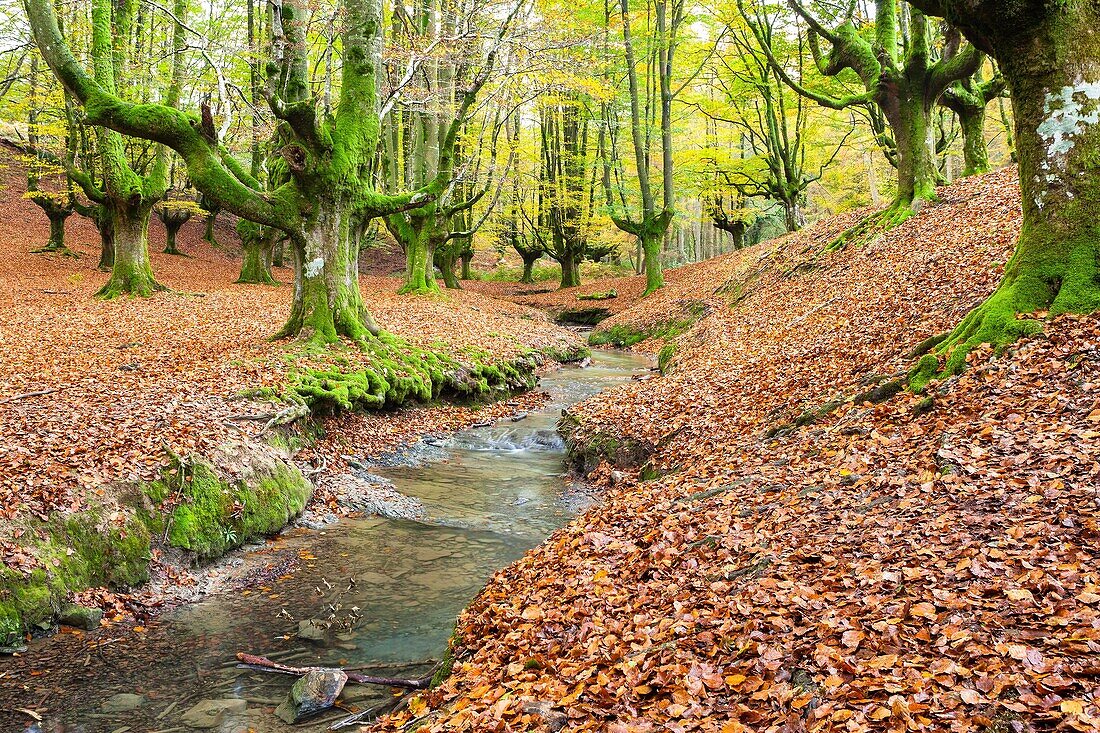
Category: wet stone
<point>80,617</point>
<point>312,630</point>
<point>212,713</point>
<point>312,694</point>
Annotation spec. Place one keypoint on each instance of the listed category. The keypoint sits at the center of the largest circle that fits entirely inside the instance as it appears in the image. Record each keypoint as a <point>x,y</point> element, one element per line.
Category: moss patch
<point>215,515</point>
<point>624,336</point>
<point>584,452</point>
<point>664,358</point>
<point>79,552</point>
<point>389,372</point>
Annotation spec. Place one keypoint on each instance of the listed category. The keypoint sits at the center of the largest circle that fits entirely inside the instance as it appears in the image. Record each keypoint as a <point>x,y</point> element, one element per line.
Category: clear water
<point>387,590</point>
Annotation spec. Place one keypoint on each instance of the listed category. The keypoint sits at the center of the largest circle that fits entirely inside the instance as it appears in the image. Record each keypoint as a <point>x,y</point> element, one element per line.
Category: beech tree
<point>770,162</point>
<point>968,99</point>
<point>565,192</point>
<point>58,206</point>
<point>902,71</point>
<point>650,218</point>
<point>329,192</point>
<point>423,137</point>
<point>1049,54</point>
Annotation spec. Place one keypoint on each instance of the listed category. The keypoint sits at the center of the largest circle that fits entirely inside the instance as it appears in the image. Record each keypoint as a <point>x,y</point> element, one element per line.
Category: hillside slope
<point>791,544</point>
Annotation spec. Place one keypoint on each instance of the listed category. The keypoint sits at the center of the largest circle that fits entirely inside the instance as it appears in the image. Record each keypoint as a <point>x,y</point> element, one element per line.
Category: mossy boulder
<point>80,617</point>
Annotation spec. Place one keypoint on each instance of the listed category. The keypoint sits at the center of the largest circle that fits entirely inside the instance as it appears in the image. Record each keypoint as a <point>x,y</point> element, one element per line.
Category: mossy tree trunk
<point>128,196</point>
<point>446,260</point>
<point>793,218</point>
<point>173,220</point>
<point>256,249</point>
<point>1050,56</point>
<point>570,271</point>
<point>653,238</point>
<point>968,99</point>
<point>212,210</point>
<point>170,231</point>
<point>529,260</point>
<point>414,232</point>
<point>465,257</point>
<point>975,149</point>
<point>105,225</point>
<point>910,118</point>
<point>132,273</point>
<point>57,216</point>
<point>327,302</point>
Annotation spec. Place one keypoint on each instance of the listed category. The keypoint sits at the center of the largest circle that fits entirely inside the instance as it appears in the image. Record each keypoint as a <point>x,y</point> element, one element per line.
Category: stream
<point>380,595</point>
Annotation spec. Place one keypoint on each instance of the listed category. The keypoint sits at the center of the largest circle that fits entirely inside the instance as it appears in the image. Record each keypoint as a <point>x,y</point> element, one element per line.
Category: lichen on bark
<point>1050,57</point>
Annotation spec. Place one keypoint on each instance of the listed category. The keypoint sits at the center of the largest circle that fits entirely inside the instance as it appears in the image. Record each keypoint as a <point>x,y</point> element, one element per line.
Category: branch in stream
<point>263,664</point>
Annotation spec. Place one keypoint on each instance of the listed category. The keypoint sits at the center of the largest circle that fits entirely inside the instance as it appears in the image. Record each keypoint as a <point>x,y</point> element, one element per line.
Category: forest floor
<point>787,541</point>
<point>96,396</point>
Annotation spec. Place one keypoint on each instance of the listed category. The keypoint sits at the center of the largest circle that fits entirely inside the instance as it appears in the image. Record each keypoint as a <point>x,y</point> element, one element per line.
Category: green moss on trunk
<point>1052,65</point>
<point>651,248</point>
<point>570,271</point>
<point>131,273</point>
<point>975,149</point>
<point>255,254</point>
<point>56,242</point>
<point>327,302</point>
<point>419,261</point>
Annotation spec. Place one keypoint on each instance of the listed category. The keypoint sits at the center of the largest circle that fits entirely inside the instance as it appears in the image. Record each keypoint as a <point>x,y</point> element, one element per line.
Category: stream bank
<point>375,593</point>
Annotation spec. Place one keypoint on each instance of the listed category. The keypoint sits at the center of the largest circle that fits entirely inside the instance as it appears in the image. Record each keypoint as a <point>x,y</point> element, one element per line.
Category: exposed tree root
<point>56,249</point>
<point>135,284</point>
<point>1033,287</point>
<point>877,224</point>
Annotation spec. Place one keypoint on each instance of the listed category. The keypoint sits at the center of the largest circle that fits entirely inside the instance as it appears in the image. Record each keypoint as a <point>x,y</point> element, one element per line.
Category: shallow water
<point>384,593</point>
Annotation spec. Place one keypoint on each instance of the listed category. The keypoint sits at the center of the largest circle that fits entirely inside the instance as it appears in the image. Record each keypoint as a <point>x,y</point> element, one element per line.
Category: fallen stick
<point>263,664</point>
<point>25,395</point>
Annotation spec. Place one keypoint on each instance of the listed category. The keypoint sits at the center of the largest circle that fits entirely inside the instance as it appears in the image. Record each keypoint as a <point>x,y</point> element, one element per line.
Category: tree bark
<point>415,235</point>
<point>131,273</point>
<point>445,258</point>
<point>910,119</point>
<point>792,216</point>
<point>256,249</point>
<point>528,276</point>
<point>975,150</point>
<point>466,257</point>
<point>105,226</point>
<point>56,242</point>
<point>570,272</point>
<point>652,239</point>
<point>327,302</point>
<point>171,228</point>
<point>1050,57</point>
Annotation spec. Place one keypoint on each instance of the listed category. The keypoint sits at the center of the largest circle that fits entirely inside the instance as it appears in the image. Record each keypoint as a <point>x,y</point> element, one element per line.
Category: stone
<point>313,693</point>
<point>212,713</point>
<point>122,702</point>
<point>312,630</point>
<point>80,617</point>
<point>553,719</point>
